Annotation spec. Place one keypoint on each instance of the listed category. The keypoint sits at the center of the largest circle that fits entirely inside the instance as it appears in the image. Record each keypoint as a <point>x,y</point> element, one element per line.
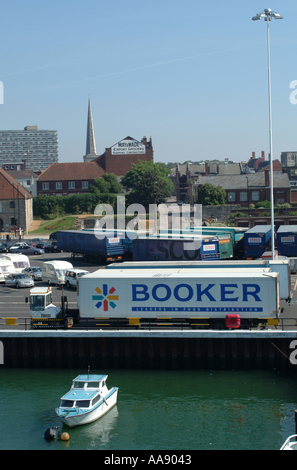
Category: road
<point>13,301</point>
<point>13,304</point>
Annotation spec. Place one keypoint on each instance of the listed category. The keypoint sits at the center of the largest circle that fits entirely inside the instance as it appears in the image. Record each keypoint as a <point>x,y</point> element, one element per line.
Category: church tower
<point>91,144</point>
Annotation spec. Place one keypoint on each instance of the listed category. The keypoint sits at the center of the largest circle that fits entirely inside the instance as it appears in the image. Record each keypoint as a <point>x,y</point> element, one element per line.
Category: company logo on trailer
<point>105,297</point>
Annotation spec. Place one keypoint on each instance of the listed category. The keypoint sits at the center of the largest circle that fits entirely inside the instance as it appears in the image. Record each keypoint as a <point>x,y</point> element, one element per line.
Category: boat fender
<point>50,434</point>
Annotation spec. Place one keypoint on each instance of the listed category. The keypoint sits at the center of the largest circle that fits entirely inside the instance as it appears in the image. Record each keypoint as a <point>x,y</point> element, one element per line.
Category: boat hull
<point>80,418</point>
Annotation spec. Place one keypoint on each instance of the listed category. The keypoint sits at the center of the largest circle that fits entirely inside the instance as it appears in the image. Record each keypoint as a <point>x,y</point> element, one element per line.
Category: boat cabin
<point>86,392</point>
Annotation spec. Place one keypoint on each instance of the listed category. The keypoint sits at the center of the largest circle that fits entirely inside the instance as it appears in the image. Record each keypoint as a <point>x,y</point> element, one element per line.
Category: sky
<point>192,74</point>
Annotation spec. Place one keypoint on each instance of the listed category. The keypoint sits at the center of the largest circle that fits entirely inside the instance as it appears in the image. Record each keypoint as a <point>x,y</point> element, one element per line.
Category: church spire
<point>91,153</point>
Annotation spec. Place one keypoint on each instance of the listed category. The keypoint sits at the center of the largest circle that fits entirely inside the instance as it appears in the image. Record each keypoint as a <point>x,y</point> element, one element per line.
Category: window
<point>71,185</point>
<point>28,182</point>
<point>83,403</point>
<point>96,399</point>
<point>13,221</point>
<point>280,200</point>
<point>255,196</point>
<point>58,185</point>
<point>45,186</point>
<point>85,184</point>
<point>67,404</point>
<point>12,204</point>
<point>243,196</point>
<point>231,197</point>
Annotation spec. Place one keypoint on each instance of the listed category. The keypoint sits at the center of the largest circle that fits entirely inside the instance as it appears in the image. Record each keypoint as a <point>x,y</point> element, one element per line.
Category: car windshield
<point>21,276</point>
<point>80,274</point>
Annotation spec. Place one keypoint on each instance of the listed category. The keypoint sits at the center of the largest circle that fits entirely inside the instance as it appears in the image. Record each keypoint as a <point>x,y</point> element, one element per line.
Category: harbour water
<point>156,410</point>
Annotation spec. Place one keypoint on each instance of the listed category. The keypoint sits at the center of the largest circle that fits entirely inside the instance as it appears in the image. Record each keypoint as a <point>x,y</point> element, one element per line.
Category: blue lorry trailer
<point>175,249</point>
<point>94,247</point>
<point>286,239</point>
<point>257,240</point>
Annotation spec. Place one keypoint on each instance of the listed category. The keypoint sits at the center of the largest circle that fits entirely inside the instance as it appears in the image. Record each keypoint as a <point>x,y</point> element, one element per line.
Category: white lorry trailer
<point>152,298</point>
<point>201,299</point>
<point>278,266</point>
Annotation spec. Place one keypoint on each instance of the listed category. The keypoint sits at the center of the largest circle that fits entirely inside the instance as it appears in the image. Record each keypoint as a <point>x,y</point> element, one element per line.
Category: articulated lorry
<point>104,247</point>
<point>154,298</point>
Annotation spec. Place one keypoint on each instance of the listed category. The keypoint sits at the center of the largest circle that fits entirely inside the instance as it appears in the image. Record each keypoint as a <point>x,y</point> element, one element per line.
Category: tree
<point>108,183</point>
<point>148,183</point>
<point>209,195</point>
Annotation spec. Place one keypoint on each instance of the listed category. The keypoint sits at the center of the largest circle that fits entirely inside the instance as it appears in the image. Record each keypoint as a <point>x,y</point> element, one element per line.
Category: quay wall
<point>242,350</point>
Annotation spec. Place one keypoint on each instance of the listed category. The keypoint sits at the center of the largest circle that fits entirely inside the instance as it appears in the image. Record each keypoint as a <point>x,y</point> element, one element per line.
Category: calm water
<point>156,410</point>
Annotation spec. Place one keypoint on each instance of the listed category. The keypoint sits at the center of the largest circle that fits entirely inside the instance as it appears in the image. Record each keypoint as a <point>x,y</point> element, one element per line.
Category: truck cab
<point>43,312</point>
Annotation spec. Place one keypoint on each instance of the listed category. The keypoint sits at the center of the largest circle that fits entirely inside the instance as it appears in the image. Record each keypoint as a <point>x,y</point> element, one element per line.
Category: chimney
<point>263,154</point>
<point>253,155</point>
<point>266,178</point>
<point>144,140</point>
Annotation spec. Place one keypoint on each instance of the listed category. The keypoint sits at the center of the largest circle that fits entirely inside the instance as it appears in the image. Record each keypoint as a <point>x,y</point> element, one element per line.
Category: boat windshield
<point>83,403</point>
<point>78,384</point>
<point>67,404</point>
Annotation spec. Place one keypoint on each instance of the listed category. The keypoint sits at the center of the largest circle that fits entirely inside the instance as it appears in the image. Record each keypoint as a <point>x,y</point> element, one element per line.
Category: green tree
<point>114,186</point>
<point>148,183</point>
<point>108,183</point>
<point>99,185</point>
<point>209,195</point>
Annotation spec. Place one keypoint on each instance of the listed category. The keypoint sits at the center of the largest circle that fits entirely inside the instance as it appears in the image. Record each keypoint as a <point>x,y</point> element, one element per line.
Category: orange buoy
<point>65,436</point>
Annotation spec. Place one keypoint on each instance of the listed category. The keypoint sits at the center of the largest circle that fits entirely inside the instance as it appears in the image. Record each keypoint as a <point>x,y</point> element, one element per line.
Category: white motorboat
<point>291,443</point>
<point>88,400</point>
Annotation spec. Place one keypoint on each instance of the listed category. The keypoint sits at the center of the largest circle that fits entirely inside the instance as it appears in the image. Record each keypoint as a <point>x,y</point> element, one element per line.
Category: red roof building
<point>64,179</point>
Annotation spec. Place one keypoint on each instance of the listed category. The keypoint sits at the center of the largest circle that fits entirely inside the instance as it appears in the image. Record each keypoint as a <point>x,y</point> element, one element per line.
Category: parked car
<point>51,248</point>
<point>37,240</point>
<point>16,246</point>
<point>34,272</point>
<point>72,275</point>
<point>27,250</point>
<point>3,249</point>
<point>19,280</point>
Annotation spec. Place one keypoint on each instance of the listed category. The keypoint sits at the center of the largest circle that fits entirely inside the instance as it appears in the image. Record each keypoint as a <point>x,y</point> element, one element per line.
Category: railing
<point>16,321</point>
<point>24,323</point>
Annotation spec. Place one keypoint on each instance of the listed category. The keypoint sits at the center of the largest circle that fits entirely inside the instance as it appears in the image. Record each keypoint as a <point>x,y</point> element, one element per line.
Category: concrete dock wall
<point>261,350</point>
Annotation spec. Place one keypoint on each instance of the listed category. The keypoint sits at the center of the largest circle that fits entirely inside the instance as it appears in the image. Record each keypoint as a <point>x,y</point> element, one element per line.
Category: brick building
<point>64,179</point>
<point>16,205</point>
<point>119,158</point>
<point>253,188</point>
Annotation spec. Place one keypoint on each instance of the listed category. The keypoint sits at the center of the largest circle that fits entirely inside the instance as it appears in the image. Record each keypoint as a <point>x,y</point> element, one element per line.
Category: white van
<point>72,275</point>
<point>53,272</point>
<point>19,261</point>
<point>6,268</point>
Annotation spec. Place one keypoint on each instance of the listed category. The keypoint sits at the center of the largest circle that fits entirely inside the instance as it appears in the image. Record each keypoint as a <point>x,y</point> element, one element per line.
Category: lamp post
<point>267,14</point>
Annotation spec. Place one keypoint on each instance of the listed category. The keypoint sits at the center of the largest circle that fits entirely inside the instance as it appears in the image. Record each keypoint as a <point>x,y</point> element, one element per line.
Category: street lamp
<point>267,14</point>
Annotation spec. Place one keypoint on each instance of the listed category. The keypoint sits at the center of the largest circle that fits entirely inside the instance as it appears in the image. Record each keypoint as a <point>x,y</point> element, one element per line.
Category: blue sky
<point>191,74</point>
